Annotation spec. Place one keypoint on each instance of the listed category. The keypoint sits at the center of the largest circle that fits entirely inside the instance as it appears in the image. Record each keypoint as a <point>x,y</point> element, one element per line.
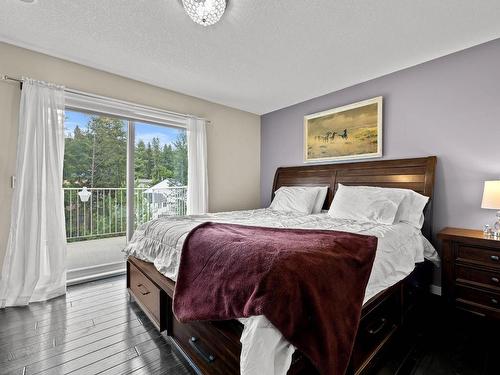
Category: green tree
<point>168,157</point>
<point>180,159</point>
<point>77,159</point>
<point>96,156</point>
<point>149,161</point>
<point>159,170</point>
<point>140,160</point>
<point>109,152</point>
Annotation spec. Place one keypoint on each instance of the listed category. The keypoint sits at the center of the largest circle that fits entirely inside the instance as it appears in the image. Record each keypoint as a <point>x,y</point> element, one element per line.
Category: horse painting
<point>349,132</point>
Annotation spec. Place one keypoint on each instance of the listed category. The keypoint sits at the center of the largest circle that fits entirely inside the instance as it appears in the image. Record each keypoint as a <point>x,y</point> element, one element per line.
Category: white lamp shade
<point>491,195</point>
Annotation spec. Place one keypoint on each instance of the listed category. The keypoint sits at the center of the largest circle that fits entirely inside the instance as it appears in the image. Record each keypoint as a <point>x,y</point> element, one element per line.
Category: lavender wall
<point>448,107</point>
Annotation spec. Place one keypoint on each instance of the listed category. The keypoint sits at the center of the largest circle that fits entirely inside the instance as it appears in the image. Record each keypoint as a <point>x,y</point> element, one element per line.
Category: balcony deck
<point>92,259</point>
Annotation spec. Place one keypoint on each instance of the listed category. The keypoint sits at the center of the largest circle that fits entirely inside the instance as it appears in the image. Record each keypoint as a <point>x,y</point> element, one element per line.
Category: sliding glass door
<point>118,174</point>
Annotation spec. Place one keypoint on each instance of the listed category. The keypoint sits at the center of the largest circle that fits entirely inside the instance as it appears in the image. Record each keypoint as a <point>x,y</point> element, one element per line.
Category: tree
<point>77,159</point>
<point>180,159</point>
<point>159,170</point>
<point>149,161</point>
<point>97,156</point>
<point>109,152</point>
<point>140,160</point>
<point>168,156</point>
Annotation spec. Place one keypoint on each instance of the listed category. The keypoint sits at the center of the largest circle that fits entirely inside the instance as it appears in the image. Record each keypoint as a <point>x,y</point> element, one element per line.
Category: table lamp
<point>491,200</point>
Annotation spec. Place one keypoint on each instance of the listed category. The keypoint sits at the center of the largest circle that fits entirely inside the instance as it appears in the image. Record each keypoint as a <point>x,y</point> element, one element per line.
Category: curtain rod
<point>6,77</point>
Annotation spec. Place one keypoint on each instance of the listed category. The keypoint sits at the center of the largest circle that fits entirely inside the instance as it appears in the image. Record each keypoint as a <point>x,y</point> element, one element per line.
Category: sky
<point>143,131</point>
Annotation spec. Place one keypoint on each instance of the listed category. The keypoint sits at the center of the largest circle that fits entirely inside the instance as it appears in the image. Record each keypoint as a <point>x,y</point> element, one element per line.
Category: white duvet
<point>264,350</point>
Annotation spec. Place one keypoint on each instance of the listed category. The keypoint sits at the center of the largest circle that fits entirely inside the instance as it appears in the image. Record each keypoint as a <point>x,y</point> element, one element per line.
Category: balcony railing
<point>105,213</point>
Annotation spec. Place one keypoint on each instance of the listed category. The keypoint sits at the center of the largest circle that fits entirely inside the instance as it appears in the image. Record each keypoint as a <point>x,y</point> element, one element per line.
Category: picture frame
<point>350,132</point>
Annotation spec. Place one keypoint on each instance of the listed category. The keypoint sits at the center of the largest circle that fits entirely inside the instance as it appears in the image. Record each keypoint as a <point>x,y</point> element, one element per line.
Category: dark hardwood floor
<point>95,329</point>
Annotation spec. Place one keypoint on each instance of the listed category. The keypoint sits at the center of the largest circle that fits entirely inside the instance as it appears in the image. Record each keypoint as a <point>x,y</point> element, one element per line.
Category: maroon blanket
<point>310,284</point>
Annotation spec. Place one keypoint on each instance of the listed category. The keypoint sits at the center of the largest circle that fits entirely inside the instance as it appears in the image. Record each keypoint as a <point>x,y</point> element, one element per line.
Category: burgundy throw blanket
<point>309,284</point>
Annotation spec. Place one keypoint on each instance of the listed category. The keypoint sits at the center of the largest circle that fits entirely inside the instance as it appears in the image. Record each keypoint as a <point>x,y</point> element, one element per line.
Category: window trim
<point>125,110</point>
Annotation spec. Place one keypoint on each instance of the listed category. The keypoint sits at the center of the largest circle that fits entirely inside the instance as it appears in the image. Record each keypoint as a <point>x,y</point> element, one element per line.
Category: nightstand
<point>471,271</point>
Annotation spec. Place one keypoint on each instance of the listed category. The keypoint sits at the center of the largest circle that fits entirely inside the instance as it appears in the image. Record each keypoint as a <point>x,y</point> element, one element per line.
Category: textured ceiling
<point>263,55</point>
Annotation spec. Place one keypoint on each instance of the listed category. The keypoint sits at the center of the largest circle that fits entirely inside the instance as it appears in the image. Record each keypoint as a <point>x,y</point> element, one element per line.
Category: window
<point>96,159</point>
<point>119,172</point>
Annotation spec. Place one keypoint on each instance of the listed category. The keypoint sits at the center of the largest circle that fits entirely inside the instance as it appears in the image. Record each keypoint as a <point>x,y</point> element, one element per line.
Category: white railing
<point>105,212</point>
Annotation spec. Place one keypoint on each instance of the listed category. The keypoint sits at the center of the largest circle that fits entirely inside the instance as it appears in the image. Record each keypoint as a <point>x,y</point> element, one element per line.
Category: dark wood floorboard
<point>78,346</point>
<point>59,335</point>
<point>66,315</point>
<point>95,329</point>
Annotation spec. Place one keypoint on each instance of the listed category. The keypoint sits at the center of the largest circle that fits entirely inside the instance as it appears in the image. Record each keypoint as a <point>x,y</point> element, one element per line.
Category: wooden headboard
<point>415,174</point>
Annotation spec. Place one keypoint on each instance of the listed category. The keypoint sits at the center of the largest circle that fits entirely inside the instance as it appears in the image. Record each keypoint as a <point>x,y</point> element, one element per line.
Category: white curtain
<point>34,267</point>
<point>197,190</point>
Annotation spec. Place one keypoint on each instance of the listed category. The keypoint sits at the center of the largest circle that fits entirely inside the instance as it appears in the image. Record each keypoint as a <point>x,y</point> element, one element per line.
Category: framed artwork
<point>350,132</point>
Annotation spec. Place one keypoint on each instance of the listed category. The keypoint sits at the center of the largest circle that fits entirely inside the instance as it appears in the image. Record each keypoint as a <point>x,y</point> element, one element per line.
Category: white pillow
<point>320,199</point>
<point>411,208</point>
<point>366,203</point>
<point>295,199</point>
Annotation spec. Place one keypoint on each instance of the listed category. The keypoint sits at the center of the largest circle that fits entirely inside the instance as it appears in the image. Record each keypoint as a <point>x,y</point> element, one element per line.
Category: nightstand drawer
<point>487,279</point>
<point>471,271</point>
<point>478,255</point>
<point>484,298</point>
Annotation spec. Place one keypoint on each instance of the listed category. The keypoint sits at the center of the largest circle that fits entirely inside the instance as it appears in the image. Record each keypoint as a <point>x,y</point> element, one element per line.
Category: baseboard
<point>435,289</point>
<point>86,274</point>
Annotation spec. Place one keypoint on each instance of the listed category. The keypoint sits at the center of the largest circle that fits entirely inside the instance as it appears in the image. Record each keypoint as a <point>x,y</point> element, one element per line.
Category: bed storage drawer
<point>214,347</point>
<point>214,350</point>
<point>145,293</point>
<point>375,329</point>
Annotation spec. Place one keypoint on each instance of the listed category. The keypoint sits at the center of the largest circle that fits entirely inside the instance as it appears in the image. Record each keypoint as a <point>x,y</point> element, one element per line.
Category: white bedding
<point>264,350</point>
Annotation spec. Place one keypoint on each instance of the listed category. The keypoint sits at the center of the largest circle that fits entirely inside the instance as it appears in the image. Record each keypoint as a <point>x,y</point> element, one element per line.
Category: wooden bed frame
<point>214,347</point>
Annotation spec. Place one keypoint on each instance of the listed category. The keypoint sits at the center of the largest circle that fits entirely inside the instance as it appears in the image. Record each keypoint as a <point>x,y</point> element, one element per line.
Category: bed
<point>214,347</point>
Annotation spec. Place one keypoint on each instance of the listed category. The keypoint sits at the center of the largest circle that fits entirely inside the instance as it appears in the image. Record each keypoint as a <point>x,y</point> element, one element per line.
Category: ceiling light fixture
<point>205,12</point>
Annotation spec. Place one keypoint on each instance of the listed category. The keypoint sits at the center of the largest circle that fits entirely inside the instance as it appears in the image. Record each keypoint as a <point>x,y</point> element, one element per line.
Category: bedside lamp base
<point>496,226</point>
<point>495,231</point>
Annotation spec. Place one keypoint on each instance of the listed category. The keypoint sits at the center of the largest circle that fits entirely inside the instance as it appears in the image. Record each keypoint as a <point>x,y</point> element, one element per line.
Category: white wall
<point>233,136</point>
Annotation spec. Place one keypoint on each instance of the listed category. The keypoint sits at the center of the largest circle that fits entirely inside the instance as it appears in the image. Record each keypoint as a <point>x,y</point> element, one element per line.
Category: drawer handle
<point>381,325</point>
<point>209,358</point>
<point>494,301</point>
<point>144,290</point>
<point>494,258</point>
<point>495,279</point>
